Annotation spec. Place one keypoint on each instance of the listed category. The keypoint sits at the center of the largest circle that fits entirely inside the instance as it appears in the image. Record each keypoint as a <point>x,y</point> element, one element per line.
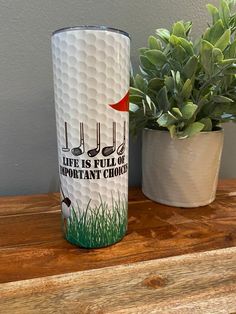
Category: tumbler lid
<point>91,27</point>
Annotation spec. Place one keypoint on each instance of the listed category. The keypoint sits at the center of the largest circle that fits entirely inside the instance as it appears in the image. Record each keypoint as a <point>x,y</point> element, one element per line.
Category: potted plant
<point>184,92</point>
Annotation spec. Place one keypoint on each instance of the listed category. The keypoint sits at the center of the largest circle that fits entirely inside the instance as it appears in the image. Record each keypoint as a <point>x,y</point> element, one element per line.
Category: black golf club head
<point>67,201</point>
<point>93,152</point>
<point>65,207</point>
<point>108,150</point>
<point>77,151</point>
<point>121,148</point>
<point>64,149</point>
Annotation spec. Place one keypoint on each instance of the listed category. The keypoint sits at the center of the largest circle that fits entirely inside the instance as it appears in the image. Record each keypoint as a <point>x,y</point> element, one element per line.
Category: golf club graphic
<point>93,152</point>
<point>121,148</point>
<point>66,148</point>
<point>77,151</point>
<point>108,150</point>
<point>66,199</point>
<point>66,202</point>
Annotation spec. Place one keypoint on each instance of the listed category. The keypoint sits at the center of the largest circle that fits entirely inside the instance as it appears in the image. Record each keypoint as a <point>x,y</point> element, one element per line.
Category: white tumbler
<point>91,81</point>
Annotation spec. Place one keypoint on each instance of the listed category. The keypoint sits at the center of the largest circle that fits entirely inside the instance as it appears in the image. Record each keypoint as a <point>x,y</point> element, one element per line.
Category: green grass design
<point>98,226</point>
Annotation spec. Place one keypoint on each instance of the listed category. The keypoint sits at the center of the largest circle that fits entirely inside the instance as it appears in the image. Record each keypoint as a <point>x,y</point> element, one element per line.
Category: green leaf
<point>206,55</point>
<point>224,12</point>
<point>222,99</point>
<point>224,40</point>
<point>187,45</point>
<point>155,83</point>
<point>142,50</point>
<point>190,67</point>
<point>227,81</point>
<point>133,107</point>
<point>150,103</point>
<point>203,101</point>
<point>140,83</point>
<point>231,51</point>
<point>135,91</point>
<point>187,27</point>
<point>187,89</point>
<point>146,72</point>
<point>177,112</point>
<point>174,40</point>
<point>206,109</point>
<point>196,45</point>
<point>169,83</point>
<point>215,32</point>
<point>179,30</point>
<point>217,55</point>
<point>188,110</point>
<point>172,130</point>
<point>192,129</point>
<point>156,57</point>
<point>135,99</point>
<point>179,53</point>
<point>214,12</point>
<point>178,78</point>
<point>220,109</point>
<point>154,43</point>
<point>166,119</point>
<point>207,124</point>
<point>163,99</point>
<point>146,64</point>
<point>231,70</point>
<point>165,69</point>
<point>228,61</point>
<point>163,34</point>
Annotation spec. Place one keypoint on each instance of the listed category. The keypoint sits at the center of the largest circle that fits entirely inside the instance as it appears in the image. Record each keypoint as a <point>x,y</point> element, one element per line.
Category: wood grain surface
<point>31,242</point>
<point>194,283</point>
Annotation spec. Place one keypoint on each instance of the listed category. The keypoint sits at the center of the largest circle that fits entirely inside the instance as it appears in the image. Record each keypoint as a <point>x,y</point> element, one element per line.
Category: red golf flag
<point>122,105</point>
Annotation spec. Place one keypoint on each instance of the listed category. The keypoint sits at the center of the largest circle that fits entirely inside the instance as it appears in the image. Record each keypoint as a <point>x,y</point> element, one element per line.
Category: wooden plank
<point>35,246</point>
<point>41,203</point>
<point>25,204</point>
<point>60,257</point>
<point>142,215</point>
<point>193,283</point>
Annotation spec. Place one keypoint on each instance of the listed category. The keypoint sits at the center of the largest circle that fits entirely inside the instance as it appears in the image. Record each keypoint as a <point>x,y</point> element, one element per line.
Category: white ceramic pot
<point>181,172</point>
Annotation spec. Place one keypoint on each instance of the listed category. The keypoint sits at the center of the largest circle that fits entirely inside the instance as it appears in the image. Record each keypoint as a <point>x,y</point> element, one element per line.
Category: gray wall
<point>28,160</point>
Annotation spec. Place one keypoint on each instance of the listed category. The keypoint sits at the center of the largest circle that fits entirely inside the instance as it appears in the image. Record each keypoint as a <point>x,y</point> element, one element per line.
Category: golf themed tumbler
<point>91,67</point>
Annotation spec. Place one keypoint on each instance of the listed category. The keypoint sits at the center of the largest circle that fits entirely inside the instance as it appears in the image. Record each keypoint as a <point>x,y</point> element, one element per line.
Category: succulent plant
<point>187,87</point>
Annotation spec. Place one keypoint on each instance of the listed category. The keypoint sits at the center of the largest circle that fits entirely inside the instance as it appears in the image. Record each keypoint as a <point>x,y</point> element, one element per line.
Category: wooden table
<point>172,260</point>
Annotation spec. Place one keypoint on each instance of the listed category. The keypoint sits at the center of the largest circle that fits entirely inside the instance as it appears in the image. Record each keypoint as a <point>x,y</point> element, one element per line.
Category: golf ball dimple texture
<point>91,72</point>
